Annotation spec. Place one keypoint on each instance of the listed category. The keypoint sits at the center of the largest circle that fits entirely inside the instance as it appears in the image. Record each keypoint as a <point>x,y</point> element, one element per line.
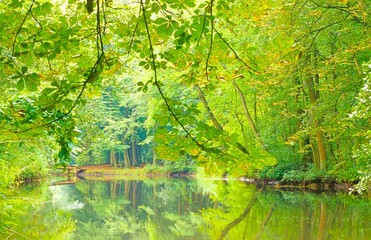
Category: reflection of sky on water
<point>62,200</point>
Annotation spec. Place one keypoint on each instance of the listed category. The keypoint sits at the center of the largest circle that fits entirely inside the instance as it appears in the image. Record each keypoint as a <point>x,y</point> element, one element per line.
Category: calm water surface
<point>179,209</point>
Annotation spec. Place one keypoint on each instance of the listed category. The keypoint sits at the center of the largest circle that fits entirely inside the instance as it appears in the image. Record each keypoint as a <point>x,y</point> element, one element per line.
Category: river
<point>179,208</point>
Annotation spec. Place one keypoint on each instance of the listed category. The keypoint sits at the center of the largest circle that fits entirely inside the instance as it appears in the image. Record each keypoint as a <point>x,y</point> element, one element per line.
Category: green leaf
<point>68,103</point>
<point>20,84</point>
<point>163,28</point>
<point>15,4</point>
<point>160,21</point>
<point>32,81</point>
<point>24,70</point>
<point>189,3</point>
<point>145,88</point>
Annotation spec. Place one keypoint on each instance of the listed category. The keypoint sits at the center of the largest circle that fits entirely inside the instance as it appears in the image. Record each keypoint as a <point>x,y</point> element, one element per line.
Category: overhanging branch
<point>93,75</point>
<point>157,84</point>
<point>234,52</point>
<point>20,27</point>
<point>211,40</point>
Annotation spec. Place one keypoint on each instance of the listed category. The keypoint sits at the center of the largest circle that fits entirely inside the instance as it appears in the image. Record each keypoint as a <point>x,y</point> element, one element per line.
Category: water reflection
<point>181,209</point>
<point>151,209</point>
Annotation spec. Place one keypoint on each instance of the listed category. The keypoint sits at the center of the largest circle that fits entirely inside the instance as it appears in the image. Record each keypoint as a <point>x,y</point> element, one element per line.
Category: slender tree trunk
<point>311,82</point>
<point>134,153</point>
<point>322,222</point>
<point>248,116</point>
<point>135,195</point>
<point>255,109</point>
<point>315,156</point>
<point>240,218</point>
<point>213,118</point>
<point>300,101</point>
<point>321,150</point>
<point>265,222</point>
<point>321,147</point>
<point>154,159</point>
<point>305,223</point>
<point>127,186</point>
<point>126,158</point>
<point>208,110</point>
<point>113,189</point>
<point>242,130</point>
<point>113,158</point>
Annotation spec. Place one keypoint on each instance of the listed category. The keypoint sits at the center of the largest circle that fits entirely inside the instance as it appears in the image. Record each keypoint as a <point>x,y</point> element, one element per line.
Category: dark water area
<point>169,208</point>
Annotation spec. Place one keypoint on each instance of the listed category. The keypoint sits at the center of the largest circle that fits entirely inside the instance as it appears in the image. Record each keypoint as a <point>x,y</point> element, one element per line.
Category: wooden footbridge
<point>74,170</point>
<point>73,174</point>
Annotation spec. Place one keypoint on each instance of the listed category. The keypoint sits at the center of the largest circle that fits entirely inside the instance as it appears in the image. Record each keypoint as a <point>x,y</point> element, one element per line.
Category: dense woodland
<point>263,89</point>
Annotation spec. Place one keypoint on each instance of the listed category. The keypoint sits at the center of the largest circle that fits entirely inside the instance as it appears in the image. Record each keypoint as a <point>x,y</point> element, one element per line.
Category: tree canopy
<point>236,86</point>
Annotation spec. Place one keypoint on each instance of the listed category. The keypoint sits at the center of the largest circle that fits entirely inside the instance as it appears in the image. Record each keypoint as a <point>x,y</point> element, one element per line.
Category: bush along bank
<point>291,174</point>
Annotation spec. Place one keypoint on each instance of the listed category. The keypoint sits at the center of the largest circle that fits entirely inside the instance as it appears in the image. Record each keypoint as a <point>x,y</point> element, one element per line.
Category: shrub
<point>306,174</point>
<point>278,171</point>
<point>182,166</point>
<point>364,184</point>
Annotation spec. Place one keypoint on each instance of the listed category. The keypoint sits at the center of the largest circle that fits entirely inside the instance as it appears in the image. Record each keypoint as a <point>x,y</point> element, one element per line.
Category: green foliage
<point>20,206</point>
<point>364,184</point>
<point>135,83</point>
<point>308,174</point>
<point>24,161</point>
<point>349,174</point>
<point>163,208</point>
<point>278,171</point>
<point>184,165</point>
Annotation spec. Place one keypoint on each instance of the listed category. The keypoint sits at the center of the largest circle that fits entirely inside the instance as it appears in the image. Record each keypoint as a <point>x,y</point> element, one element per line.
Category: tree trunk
<point>126,158</point>
<point>305,223</point>
<point>314,95</point>
<point>154,159</point>
<point>265,222</point>
<point>321,147</point>
<point>213,118</point>
<point>242,129</point>
<point>127,186</point>
<point>208,110</point>
<point>134,154</point>
<point>135,195</point>
<point>248,116</point>
<point>113,158</point>
<point>322,222</point>
<point>240,218</point>
<point>321,150</point>
<point>113,189</point>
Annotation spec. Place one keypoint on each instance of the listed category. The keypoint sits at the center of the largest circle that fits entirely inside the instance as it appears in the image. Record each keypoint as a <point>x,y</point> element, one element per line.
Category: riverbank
<point>107,172</point>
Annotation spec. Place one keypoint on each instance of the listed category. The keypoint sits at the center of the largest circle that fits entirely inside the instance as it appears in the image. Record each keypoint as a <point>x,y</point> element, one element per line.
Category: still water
<point>168,209</point>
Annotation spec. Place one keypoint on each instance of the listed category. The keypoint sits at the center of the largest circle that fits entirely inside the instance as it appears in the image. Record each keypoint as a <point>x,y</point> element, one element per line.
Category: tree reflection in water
<point>182,209</point>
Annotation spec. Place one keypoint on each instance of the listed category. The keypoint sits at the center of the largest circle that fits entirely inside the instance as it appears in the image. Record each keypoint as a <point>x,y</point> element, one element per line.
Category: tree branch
<point>241,217</point>
<point>100,48</point>
<point>20,27</point>
<point>135,30</point>
<point>93,75</point>
<point>211,40</point>
<point>234,52</point>
<point>157,84</point>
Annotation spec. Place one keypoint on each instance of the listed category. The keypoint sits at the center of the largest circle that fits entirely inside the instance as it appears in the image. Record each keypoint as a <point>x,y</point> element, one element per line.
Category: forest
<point>262,89</point>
